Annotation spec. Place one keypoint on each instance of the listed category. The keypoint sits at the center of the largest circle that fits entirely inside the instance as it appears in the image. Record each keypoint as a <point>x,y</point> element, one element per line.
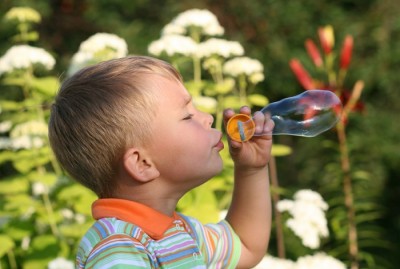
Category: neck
<point>147,194</point>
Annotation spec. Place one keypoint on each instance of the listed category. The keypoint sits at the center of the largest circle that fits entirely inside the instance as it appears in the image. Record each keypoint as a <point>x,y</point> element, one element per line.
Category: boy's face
<point>184,148</point>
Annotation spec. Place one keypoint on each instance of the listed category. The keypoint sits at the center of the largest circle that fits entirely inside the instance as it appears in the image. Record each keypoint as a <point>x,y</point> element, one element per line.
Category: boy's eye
<point>188,117</point>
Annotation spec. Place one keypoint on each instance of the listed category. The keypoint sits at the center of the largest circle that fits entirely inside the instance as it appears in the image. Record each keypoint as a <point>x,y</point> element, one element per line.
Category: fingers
<point>259,120</point>
<point>269,126</point>
<point>264,123</point>
<point>228,113</point>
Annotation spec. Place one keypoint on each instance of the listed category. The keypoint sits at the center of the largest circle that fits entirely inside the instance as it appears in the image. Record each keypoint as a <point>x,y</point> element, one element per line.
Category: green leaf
<point>77,196</point>
<point>6,245</point>
<point>17,229</point>
<point>279,150</point>
<point>48,179</point>
<point>225,87</point>
<point>6,156</point>
<point>75,230</point>
<point>15,81</point>
<point>26,160</point>
<point>194,87</point>
<point>14,184</point>
<point>204,205</point>
<point>232,102</point>
<point>258,100</point>
<point>44,248</point>
<point>7,105</point>
<point>47,85</point>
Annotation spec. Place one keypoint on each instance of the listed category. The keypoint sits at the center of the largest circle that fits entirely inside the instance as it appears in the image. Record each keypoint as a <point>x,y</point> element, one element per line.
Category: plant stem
<point>277,214</point>
<point>242,90</point>
<point>345,165</point>
<point>218,113</point>
<point>348,195</point>
<point>50,213</point>
<point>196,69</point>
<point>11,259</point>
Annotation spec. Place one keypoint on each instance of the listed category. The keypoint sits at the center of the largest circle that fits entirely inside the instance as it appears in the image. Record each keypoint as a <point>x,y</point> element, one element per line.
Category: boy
<point>127,129</point>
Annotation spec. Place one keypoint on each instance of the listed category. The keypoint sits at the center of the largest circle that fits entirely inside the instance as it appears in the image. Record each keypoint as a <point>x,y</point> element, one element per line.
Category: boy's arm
<point>250,210</point>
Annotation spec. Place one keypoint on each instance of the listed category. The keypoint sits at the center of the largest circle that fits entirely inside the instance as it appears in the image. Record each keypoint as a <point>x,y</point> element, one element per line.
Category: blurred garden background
<point>346,180</point>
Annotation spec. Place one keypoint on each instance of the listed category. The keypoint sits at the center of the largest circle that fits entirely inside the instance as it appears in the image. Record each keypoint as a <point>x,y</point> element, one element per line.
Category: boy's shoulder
<point>109,234</point>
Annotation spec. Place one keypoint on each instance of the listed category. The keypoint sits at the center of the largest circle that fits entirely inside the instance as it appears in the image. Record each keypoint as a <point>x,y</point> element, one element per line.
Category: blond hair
<point>99,112</point>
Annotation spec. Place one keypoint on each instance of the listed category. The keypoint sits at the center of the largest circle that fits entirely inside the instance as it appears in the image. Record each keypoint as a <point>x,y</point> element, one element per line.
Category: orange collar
<point>152,222</point>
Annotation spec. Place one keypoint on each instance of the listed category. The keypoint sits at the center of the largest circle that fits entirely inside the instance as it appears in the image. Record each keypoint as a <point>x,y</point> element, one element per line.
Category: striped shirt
<point>130,235</point>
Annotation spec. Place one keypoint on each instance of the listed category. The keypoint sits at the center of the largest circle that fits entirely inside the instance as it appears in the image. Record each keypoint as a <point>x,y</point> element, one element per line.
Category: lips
<point>219,145</point>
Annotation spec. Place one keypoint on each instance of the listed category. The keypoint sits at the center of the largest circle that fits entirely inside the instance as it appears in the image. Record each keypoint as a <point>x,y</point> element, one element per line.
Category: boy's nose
<point>209,119</point>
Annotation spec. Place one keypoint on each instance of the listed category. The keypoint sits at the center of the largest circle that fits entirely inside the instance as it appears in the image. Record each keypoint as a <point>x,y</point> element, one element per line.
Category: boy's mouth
<point>219,145</point>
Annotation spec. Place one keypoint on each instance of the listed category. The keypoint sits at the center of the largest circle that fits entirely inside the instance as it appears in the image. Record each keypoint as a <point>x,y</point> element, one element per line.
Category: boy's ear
<point>139,166</point>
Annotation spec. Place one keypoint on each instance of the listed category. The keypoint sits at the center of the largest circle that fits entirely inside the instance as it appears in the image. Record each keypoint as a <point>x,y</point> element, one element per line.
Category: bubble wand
<point>307,114</point>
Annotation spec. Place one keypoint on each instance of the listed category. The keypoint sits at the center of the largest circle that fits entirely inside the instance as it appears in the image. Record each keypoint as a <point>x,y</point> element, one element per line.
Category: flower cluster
<point>206,22</point>
<point>335,72</point>
<point>319,260</point>
<point>60,263</point>
<point>316,261</point>
<point>308,219</point>
<point>173,44</point>
<point>275,263</point>
<point>220,47</point>
<point>245,65</point>
<point>183,36</point>
<point>98,47</point>
<point>25,57</point>
<point>27,135</point>
<point>70,215</point>
<point>23,14</point>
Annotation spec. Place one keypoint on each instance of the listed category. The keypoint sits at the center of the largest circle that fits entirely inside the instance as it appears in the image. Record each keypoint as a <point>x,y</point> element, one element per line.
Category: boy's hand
<point>256,152</point>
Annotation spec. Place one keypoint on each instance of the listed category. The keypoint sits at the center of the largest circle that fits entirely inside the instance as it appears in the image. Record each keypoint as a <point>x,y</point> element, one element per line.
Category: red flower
<point>301,74</point>
<point>326,38</point>
<point>313,52</point>
<point>345,55</point>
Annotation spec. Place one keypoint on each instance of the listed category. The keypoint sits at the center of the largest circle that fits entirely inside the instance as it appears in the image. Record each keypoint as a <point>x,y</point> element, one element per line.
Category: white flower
<point>5,126</point>
<point>23,14</point>
<point>5,142</point>
<point>30,134</point>
<point>33,128</point>
<point>206,21</point>
<point>242,65</point>
<point>318,261</point>
<point>221,47</point>
<point>270,262</point>
<point>284,205</point>
<point>26,142</point>
<point>25,243</point>
<point>39,188</point>
<point>80,218</point>
<point>173,44</point>
<point>308,220</point>
<point>311,197</point>
<point>23,57</point>
<point>60,263</point>
<point>173,29</point>
<point>100,41</point>
<point>98,47</point>
<point>67,213</point>
<point>256,78</point>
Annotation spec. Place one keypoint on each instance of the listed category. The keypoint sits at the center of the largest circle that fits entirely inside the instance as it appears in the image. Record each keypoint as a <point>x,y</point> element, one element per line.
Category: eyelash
<point>188,117</point>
